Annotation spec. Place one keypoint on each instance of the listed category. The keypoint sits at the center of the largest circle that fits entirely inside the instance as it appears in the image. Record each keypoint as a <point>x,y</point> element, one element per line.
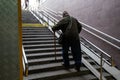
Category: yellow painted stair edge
<point>34,25</point>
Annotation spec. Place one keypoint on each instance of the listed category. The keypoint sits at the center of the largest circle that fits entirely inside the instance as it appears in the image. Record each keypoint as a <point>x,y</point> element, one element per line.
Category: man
<point>73,40</point>
<point>26,3</point>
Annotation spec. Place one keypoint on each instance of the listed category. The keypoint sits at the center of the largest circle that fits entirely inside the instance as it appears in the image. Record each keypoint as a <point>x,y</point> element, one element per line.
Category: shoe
<point>66,67</point>
<point>77,68</point>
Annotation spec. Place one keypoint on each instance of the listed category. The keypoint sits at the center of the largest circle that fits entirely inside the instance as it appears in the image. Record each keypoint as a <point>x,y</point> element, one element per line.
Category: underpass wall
<point>100,14</point>
<point>9,45</point>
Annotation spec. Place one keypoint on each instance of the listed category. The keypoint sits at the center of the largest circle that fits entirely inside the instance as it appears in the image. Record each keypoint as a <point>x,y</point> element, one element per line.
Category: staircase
<point>38,43</point>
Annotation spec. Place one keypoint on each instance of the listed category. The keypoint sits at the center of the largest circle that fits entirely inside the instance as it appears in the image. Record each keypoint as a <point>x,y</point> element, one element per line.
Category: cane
<point>55,46</point>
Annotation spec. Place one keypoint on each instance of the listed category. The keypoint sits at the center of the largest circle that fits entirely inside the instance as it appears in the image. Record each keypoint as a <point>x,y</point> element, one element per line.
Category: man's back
<point>73,27</point>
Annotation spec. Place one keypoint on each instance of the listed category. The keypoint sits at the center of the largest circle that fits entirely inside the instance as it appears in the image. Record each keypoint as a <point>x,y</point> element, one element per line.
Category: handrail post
<point>112,62</point>
<point>26,69</point>
<point>55,43</point>
<point>55,46</point>
<point>101,66</point>
<point>48,19</point>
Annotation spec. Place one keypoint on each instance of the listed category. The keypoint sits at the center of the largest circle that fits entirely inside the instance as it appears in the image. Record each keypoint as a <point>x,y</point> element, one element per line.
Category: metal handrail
<point>25,62</point>
<point>99,52</point>
<point>117,40</point>
<point>50,17</point>
<point>102,39</point>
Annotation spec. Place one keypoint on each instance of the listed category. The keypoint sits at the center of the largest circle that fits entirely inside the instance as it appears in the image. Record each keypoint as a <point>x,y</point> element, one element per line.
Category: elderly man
<point>70,40</point>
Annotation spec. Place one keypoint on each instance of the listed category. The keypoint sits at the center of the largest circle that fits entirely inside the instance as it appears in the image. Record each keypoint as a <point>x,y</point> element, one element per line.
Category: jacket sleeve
<point>79,27</point>
<point>59,25</point>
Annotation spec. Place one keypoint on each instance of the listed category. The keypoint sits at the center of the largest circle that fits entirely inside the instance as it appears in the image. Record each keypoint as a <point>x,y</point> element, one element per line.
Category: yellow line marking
<point>34,25</point>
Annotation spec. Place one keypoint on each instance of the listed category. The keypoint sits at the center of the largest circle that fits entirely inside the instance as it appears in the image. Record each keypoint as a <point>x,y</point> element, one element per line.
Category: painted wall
<point>103,15</point>
<point>9,48</point>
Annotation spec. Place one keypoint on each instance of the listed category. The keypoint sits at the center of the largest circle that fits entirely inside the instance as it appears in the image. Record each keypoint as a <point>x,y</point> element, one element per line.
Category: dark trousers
<point>76,52</point>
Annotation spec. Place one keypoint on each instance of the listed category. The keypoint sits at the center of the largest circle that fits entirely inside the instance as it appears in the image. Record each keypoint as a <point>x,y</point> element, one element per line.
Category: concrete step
<point>108,76</point>
<point>39,39</point>
<point>48,55</point>
<point>54,75</point>
<point>44,28</point>
<point>35,30</point>
<point>36,36</point>
<point>51,67</point>
<point>81,77</point>
<point>52,49</point>
<point>36,33</point>
<point>40,46</point>
<point>43,55</point>
<point>39,42</point>
<point>46,60</point>
<point>92,62</point>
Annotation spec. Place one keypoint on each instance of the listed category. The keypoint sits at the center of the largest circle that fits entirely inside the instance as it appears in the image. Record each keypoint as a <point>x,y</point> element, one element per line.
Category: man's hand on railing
<point>53,29</point>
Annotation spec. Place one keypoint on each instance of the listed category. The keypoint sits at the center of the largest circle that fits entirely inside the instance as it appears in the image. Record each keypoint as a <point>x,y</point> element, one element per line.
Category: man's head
<point>65,13</point>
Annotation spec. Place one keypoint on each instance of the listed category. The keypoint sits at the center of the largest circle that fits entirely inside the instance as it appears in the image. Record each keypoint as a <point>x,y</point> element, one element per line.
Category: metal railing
<point>87,26</point>
<point>98,52</point>
<point>25,62</point>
